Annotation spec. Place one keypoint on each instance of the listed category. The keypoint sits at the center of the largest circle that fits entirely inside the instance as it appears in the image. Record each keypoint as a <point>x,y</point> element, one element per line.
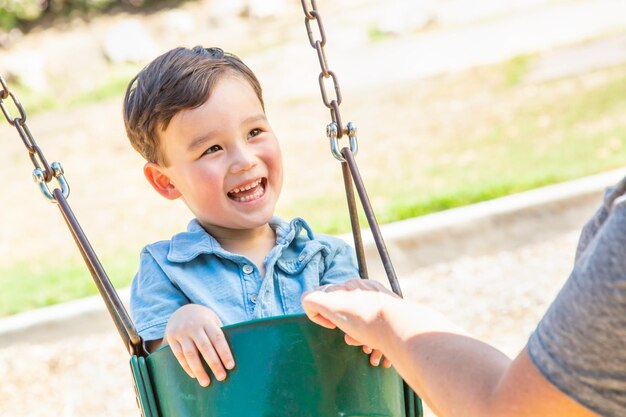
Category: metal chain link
<point>334,133</point>
<point>43,172</point>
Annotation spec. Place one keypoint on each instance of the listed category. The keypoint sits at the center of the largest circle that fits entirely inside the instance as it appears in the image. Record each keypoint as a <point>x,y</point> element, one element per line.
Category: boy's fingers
<point>195,364</point>
<point>375,357</point>
<point>367,349</point>
<point>210,356</point>
<point>177,350</point>
<point>217,339</point>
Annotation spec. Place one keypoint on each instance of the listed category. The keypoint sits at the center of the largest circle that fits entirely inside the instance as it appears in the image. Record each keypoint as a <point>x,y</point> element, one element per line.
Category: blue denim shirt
<point>192,267</point>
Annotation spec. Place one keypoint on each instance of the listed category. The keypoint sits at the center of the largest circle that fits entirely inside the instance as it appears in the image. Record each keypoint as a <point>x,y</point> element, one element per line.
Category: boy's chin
<point>254,222</point>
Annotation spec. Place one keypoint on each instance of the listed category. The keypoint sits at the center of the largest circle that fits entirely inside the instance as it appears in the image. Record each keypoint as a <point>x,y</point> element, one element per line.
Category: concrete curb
<point>495,225</point>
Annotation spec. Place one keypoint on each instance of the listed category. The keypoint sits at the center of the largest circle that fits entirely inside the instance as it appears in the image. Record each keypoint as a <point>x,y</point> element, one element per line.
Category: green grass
<point>31,285</point>
<point>54,97</point>
<point>111,87</point>
<point>374,34</point>
<point>516,69</point>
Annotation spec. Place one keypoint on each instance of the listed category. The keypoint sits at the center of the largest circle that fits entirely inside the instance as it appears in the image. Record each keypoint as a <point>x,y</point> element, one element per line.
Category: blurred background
<point>456,102</point>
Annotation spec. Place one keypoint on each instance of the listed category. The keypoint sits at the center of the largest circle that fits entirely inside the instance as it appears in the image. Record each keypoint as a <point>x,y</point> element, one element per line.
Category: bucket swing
<point>287,366</point>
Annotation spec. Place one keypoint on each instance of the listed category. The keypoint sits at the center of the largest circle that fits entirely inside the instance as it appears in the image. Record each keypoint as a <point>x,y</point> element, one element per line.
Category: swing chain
<point>43,172</point>
<point>311,13</point>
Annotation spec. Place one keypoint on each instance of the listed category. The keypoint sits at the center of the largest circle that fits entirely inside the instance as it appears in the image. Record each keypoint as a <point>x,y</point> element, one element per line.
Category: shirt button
<point>301,258</point>
<point>253,298</point>
<point>247,269</point>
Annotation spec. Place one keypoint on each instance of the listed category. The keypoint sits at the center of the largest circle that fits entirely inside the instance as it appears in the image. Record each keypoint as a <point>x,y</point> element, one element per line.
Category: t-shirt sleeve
<point>596,222</point>
<point>340,265</point>
<point>154,298</point>
<point>580,343</point>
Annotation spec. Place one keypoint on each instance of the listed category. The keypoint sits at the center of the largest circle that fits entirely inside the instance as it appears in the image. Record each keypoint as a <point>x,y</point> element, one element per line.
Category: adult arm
<point>455,374</point>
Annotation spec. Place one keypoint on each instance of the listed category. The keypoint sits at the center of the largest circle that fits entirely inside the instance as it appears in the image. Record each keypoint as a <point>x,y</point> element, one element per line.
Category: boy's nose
<point>243,160</point>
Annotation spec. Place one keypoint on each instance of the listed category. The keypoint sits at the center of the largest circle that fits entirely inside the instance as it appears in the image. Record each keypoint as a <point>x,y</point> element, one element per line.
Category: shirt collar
<point>188,245</point>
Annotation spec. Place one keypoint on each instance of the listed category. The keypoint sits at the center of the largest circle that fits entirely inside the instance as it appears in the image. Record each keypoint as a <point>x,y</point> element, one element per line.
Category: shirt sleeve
<point>590,230</point>
<point>154,298</point>
<point>579,345</point>
<point>340,264</point>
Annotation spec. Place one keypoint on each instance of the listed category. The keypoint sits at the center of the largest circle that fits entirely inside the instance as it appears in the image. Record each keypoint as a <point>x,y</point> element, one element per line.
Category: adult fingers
<point>353,342</point>
<point>375,357</point>
<point>315,304</point>
<point>386,362</point>
<point>322,321</point>
<point>357,312</point>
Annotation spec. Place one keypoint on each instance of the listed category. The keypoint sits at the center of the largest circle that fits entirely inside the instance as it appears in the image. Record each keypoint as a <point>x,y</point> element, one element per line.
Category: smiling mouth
<point>249,192</point>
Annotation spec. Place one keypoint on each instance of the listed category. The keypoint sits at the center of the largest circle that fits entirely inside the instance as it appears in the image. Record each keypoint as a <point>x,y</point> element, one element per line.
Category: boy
<point>197,116</point>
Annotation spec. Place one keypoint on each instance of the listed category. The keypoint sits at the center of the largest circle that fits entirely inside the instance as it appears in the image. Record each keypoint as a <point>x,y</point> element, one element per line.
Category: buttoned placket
<point>252,285</point>
<point>264,304</point>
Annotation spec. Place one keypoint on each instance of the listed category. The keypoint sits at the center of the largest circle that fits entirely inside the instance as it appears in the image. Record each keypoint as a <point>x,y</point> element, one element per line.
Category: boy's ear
<point>160,181</point>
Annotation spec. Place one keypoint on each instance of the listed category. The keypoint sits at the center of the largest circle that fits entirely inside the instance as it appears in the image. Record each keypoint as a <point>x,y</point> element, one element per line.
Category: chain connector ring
<point>332,135</point>
<point>40,178</point>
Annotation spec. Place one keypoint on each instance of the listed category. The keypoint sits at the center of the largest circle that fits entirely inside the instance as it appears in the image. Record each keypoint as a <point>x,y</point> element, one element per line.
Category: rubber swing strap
<point>354,221</point>
<point>45,173</point>
<point>120,316</point>
<point>353,169</point>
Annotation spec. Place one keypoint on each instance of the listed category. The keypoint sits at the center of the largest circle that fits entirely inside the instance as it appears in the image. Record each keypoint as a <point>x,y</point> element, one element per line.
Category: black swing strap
<point>43,174</point>
<point>371,220</point>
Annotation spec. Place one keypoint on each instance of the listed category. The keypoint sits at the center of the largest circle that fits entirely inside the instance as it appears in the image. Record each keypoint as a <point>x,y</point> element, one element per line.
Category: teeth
<point>247,187</point>
<point>250,197</point>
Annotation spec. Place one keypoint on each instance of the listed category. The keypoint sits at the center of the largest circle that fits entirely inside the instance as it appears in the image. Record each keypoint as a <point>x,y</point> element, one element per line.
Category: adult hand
<point>355,306</point>
<point>194,328</point>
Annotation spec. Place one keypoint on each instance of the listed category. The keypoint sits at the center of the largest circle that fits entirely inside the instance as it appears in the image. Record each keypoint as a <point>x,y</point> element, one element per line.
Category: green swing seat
<point>286,367</point>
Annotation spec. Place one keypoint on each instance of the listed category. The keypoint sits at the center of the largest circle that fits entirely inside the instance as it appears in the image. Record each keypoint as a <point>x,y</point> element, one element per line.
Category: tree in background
<point>25,13</point>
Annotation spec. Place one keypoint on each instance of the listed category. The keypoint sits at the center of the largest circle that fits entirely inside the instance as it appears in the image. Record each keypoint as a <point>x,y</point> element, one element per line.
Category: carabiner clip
<point>40,178</point>
<point>331,134</point>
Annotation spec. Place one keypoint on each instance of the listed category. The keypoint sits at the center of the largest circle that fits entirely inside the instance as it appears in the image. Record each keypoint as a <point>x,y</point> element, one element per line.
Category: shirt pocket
<point>296,275</point>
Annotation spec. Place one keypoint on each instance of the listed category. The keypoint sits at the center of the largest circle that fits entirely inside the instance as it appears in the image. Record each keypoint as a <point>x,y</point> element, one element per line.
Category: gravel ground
<point>498,297</point>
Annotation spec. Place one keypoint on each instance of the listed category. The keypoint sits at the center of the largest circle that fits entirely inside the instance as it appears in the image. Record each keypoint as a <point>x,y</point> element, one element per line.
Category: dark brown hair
<point>180,79</point>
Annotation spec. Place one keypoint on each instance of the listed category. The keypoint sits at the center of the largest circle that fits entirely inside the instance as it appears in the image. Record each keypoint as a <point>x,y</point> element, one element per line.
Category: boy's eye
<point>254,132</point>
<point>212,149</point>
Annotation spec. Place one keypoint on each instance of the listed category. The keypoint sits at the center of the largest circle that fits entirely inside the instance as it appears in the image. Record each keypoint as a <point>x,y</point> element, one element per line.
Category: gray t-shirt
<point>580,344</point>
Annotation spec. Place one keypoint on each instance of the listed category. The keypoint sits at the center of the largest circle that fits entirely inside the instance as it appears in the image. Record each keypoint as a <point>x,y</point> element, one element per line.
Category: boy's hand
<point>194,328</point>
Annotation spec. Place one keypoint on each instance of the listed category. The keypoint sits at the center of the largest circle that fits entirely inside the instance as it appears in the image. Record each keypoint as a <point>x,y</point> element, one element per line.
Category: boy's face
<point>223,160</point>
